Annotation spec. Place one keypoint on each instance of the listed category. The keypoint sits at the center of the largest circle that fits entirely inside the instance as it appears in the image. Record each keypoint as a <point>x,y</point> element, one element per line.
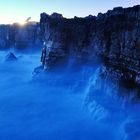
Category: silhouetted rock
<point>10,57</point>
<point>20,37</point>
<point>56,16</point>
<point>114,37</point>
<point>4,37</point>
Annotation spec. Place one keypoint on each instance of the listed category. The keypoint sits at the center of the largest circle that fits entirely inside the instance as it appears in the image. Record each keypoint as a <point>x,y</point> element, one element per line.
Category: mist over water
<point>56,106</point>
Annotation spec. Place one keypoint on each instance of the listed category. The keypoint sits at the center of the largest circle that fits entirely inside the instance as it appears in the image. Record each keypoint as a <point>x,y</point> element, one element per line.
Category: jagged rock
<point>56,16</point>
<point>113,37</point>
<point>10,57</point>
<point>90,17</point>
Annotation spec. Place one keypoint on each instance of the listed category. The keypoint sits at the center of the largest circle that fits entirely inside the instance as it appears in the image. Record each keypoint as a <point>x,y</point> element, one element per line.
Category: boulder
<point>10,57</point>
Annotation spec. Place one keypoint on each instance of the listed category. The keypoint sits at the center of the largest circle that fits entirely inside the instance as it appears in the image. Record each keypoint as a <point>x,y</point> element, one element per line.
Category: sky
<point>19,10</point>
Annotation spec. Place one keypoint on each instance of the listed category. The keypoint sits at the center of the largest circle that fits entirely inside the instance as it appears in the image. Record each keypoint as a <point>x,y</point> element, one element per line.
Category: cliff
<point>20,37</point>
<point>114,37</point>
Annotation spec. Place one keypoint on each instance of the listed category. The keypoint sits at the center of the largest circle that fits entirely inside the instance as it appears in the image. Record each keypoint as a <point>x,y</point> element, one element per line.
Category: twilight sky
<point>19,10</point>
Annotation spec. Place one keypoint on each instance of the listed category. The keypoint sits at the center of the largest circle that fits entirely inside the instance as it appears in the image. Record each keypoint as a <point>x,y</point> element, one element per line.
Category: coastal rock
<point>113,37</point>
<point>10,57</point>
<point>56,16</point>
<point>20,37</point>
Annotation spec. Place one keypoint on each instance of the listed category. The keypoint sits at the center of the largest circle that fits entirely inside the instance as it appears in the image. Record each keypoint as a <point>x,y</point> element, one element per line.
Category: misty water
<point>53,106</point>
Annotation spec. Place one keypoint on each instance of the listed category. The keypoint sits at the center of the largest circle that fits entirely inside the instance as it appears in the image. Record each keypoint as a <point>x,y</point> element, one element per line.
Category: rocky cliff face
<point>66,38</point>
<point>113,37</point>
<point>20,37</point>
<point>4,36</point>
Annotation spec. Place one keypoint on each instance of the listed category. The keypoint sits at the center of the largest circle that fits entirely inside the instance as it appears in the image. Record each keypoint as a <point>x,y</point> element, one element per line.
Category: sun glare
<point>22,23</point>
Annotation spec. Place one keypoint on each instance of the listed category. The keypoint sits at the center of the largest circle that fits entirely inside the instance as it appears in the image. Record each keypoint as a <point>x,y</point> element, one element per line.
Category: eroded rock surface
<point>113,37</point>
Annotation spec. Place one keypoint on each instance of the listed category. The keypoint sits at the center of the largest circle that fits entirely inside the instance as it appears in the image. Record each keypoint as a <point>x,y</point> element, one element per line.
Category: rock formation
<point>4,36</point>
<point>20,37</point>
<point>10,57</point>
<point>113,37</point>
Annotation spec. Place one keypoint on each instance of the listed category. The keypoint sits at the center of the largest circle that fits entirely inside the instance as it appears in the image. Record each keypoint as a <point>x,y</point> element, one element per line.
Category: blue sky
<point>19,10</point>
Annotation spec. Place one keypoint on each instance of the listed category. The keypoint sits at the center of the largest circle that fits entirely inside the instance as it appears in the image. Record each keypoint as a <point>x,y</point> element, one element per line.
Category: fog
<point>54,105</point>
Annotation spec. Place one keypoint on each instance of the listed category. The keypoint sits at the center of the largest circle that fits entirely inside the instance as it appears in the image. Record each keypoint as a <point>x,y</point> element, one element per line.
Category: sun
<point>22,23</point>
